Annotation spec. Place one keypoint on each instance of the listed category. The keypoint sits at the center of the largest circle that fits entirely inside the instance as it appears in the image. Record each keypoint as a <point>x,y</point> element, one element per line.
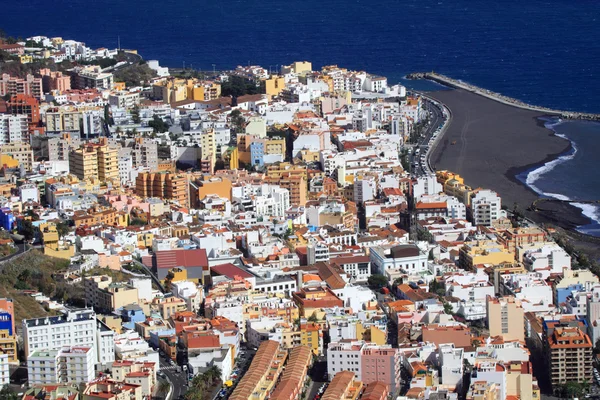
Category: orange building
<point>25,105</point>
<point>208,185</point>
<point>165,186</point>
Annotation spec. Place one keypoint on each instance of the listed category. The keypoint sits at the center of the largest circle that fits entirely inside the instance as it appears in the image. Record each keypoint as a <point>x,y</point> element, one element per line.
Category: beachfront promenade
<point>447,81</point>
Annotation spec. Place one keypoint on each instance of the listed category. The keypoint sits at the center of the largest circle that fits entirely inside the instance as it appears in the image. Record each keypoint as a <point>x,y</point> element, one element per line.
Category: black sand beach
<point>494,142</point>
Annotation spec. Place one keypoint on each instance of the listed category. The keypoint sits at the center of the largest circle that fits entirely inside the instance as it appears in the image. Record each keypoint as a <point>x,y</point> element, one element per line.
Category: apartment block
<point>292,381</point>
<point>21,152</point>
<point>75,327</point>
<point>505,318</point>
<point>95,161</point>
<point>370,362</point>
<point>30,86</point>
<point>109,296</point>
<point>568,350</point>
<point>13,128</point>
<point>22,104</point>
<point>54,80</point>
<point>67,365</point>
<point>165,186</point>
<point>91,77</point>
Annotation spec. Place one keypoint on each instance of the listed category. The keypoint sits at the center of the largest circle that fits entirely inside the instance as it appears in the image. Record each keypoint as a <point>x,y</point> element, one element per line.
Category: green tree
<point>237,86</point>
<point>378,281</point>
<point>313,318</point>
<point>27,229</point>
<point>237,121</point>
<point>135,114</point>
<point>6,393</point>
<point>63,229</point>
<point>448,309</point>
<point>158,125</point>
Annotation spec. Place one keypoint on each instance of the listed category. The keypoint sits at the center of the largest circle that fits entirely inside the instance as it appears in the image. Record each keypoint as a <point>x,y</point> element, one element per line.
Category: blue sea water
<point>574,175</point>
<point>544,52</point>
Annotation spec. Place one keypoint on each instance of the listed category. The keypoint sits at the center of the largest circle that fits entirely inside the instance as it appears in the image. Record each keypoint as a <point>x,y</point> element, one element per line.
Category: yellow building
<point>21,152</point>
<point>311,336</point>
<point>60,249</point>
<point>8,161</point>
<point>234,161</point>
<point>25,59</point>
<point>275,146</point>
<point>95,161</point>
<point>273,85</point>
<point>172,90</point>
<point>208,146</point>
<point>298,67</point>
<point>483,252</point>
<point>8,345</point>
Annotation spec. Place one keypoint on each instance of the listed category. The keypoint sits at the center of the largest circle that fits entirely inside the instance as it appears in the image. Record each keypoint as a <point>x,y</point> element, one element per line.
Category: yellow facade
<point>300,67</point>
<point>209,148</point>
<point>275,146</point>
<point>25,59</point>
<point>484,252</point>
<point>256,126</point>
<point>311,336</point>
<point>8,345</point>
<point>8,161</point>
<point>234,161</point>
<point>274,85</point>
<point>63,250</point>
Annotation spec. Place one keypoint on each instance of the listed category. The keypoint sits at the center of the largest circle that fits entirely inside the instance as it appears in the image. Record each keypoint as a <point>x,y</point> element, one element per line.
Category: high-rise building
<point>22,104</point>
<point>95,160</point>
<point>370,362</point>
<point>11,85</point>
<point>13,128</point>
<point>67,365</point>
<point>8,339</point>
<point>568,350</point>
<point>163,185</point>
<point>505,318</point>
<point>21,152</point>
<point>55,80</point>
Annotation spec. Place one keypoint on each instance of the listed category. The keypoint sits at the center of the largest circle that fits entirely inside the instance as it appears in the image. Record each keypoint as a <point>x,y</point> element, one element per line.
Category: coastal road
<point>436,119</point>
<point>177,379</point>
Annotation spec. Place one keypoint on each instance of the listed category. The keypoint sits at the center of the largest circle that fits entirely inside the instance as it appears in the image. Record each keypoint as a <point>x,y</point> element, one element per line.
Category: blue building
<point>131,314</point>
<point>257,153</point>
<point>563,293</point>
<point>7,218</point>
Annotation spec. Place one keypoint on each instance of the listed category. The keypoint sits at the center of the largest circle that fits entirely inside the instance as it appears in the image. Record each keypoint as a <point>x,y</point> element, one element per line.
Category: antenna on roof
<point>119,42</point>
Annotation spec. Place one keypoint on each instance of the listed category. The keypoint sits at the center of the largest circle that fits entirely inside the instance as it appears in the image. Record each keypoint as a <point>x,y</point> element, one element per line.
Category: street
<point>436,119</point>
<point>178,380</point>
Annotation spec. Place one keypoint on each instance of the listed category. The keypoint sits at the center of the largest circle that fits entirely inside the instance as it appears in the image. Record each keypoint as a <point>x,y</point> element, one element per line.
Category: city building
<point>567,350</point>
<point>506,318</point>
<point>30,86</point>
<point>165,186</point>
<point>67,365</point>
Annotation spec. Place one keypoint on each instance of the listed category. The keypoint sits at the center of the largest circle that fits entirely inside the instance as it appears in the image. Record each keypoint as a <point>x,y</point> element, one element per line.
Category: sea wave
<point>534,175</point>
<point>589,210</point>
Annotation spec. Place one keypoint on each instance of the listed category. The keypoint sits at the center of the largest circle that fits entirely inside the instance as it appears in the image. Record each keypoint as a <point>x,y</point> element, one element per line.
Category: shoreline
<point>482,163</point>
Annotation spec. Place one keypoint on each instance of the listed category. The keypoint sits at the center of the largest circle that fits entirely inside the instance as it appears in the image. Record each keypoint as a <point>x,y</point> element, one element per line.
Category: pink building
<point>30,86</point>
<point>52,80</point>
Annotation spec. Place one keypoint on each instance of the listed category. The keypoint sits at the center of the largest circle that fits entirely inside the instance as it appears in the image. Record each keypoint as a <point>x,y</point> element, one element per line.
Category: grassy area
<point>117,276</point>
<point>31,271</point>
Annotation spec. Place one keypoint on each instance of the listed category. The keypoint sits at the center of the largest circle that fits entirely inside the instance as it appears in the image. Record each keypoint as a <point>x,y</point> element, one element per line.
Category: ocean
<point>574,175</point>
<point>541,52</point>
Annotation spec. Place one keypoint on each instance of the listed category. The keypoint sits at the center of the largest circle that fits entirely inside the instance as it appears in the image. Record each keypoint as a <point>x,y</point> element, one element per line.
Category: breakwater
<point>447,81</point>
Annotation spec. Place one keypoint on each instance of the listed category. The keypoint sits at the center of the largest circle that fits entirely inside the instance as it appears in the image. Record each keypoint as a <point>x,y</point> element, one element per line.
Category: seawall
<point>447,81</point>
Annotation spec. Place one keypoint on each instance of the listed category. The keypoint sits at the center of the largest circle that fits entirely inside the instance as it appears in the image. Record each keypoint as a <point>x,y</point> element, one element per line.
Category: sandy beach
<point>494,142</point>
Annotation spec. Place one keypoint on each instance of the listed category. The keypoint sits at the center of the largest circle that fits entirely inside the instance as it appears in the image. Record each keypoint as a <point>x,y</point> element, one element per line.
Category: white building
<point>29,192</point>
<point>365,188</point>
<point>76,327</point>
<point>486,207</point>
<point>426,185</point>
<point>4,370</point>
<point>68,365</point>
<point>13,128</point>
<point>189,292</point>
<point>402,259</point>
<point>549,259</point>
<point>451,363</point>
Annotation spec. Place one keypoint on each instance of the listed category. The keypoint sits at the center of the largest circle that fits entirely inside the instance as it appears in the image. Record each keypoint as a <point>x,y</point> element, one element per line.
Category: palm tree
<point>163,387</point>
<point>214,373</point>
